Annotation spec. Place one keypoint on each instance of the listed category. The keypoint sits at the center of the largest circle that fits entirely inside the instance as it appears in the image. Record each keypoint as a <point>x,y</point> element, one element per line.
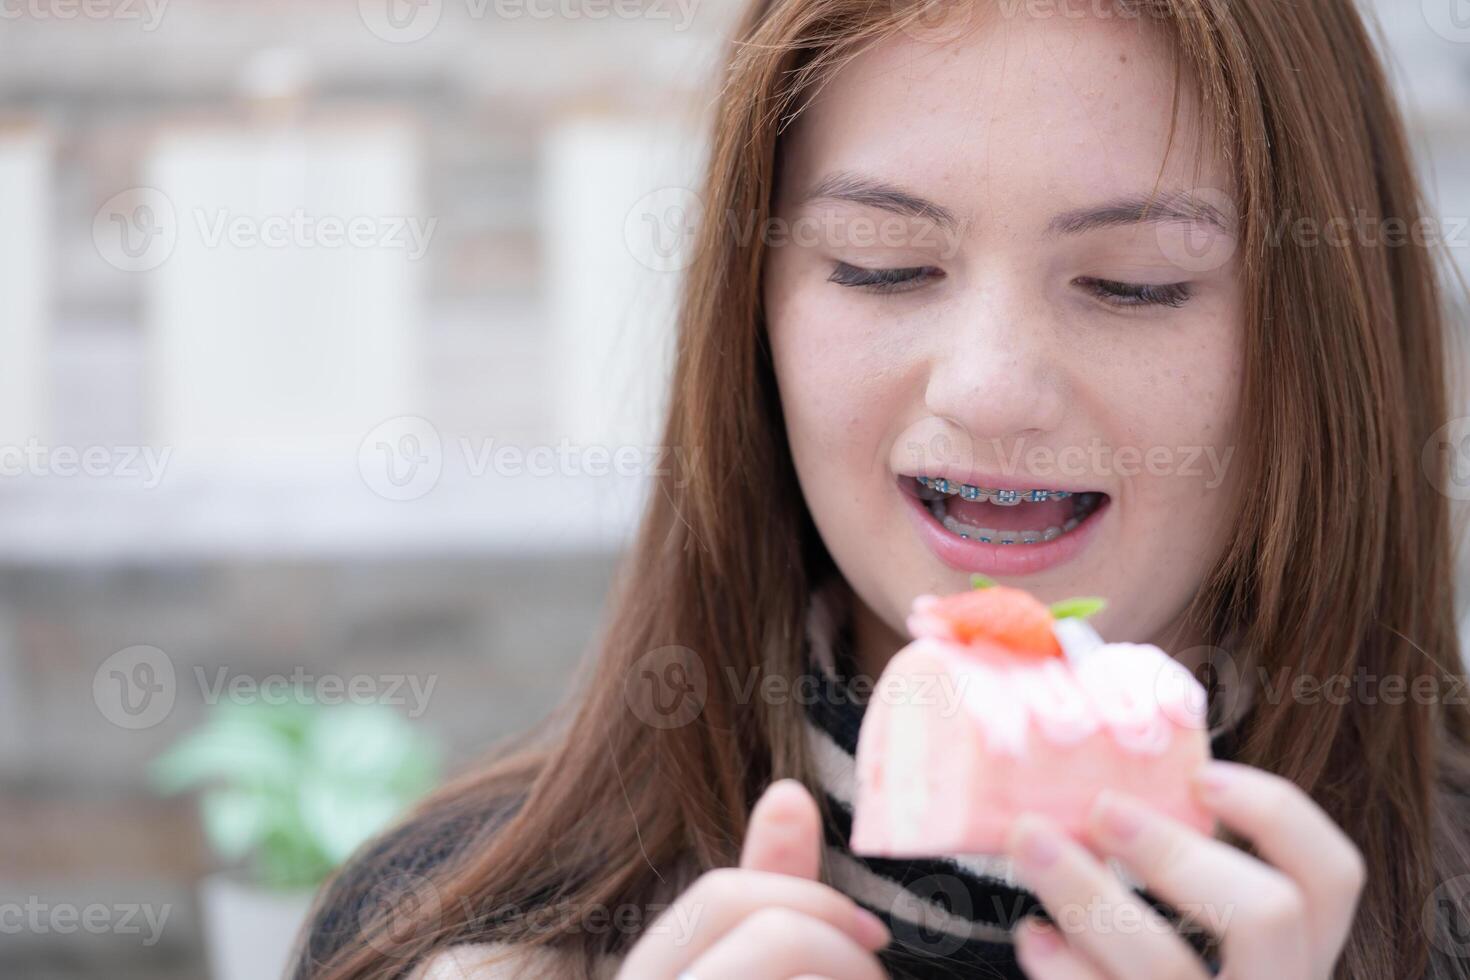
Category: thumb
<point>785,832</point>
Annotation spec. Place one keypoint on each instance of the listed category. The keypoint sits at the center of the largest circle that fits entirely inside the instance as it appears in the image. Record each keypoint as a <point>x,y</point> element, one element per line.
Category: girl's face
<point>963,287</point>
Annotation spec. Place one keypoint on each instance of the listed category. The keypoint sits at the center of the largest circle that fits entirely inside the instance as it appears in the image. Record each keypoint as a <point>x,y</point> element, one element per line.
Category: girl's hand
<point>1286,919</point>
<point>769,919</point>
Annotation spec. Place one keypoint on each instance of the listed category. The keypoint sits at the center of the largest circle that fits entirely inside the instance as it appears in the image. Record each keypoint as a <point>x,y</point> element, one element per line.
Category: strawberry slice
<point>1009,618</point>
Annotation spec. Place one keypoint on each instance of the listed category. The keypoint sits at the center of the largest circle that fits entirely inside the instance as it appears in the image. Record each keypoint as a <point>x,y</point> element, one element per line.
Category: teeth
<point>1006,498</point>
<point>988,535</point>
<point>1085,504</point>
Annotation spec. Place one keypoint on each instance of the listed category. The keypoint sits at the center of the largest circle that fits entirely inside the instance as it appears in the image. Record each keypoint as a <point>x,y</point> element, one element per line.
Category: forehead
<point>1012,107</point>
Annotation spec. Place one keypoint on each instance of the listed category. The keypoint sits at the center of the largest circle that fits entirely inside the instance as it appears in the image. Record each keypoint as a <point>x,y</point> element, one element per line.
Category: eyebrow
<point>1116,212</point>
<point>865,191</point>
<point>1137,209</point>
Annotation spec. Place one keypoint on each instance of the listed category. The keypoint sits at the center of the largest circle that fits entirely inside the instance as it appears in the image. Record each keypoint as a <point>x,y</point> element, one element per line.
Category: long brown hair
<point>1341,564</point>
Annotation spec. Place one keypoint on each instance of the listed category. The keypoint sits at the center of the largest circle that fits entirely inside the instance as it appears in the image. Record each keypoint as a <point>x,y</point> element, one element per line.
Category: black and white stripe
<point>950,917</point>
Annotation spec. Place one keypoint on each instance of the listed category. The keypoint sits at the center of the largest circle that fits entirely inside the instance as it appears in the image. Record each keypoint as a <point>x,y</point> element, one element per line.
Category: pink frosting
<point>1136,692</point>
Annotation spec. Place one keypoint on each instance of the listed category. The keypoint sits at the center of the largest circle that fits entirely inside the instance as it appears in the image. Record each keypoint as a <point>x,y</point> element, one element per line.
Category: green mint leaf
<point>978,581</point>
<point>1077,608</point>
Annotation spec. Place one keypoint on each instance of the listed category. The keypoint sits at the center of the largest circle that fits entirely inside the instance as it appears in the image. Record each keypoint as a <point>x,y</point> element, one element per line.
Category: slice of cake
<point>1002,706</point>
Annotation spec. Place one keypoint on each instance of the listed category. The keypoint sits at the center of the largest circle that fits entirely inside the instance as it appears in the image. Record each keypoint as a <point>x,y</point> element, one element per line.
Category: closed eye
<point>1137,294</point>
<point>882,280</point>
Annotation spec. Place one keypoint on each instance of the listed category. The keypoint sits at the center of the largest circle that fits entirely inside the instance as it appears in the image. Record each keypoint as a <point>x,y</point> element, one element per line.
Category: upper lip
<point>987,481</point>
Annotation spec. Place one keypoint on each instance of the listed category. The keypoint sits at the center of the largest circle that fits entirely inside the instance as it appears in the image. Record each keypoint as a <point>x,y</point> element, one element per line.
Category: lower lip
<point>967,555</point>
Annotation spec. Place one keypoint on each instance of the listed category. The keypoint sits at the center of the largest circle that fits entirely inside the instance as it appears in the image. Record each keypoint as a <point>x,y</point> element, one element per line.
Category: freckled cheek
<point>840,395</point>
<point>1188,415</point>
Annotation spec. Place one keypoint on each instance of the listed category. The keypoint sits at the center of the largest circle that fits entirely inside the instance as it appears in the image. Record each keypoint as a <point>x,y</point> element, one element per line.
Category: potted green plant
<point>287,790</point>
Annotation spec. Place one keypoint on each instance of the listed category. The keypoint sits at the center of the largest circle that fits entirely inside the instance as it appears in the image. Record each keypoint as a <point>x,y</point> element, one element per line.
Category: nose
<point>998,372</point>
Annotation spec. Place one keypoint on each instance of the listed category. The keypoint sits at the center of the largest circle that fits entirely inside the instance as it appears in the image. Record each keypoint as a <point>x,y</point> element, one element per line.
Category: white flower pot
<point>250,931</point>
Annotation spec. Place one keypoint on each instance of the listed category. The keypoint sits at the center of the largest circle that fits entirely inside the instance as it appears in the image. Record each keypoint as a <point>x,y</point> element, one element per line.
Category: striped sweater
<point>950,917</point>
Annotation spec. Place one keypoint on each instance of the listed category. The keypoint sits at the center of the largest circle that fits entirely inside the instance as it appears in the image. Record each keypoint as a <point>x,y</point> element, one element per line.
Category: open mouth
<point>1004,517</point>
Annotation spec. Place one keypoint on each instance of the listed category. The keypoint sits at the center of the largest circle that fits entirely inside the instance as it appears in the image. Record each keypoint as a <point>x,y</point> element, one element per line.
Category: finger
<point>785,832</point>
<point>1044,954</point>
<point>1257,911</point>
<point>778,942</point>
<point>1294,834</point>
<point>720,900</point>
<point>1100,917</point>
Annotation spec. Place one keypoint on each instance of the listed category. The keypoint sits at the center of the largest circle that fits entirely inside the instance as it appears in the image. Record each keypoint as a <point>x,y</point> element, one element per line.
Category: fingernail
<point>1117,817</point>
<point>871,931</point>
<point>1212,781</point>
<point>1038,848</point>
<point>1042,939</point>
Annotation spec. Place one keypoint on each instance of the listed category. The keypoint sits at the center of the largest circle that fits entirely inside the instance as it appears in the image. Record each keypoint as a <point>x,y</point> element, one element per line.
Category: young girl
<point>1140,256</point>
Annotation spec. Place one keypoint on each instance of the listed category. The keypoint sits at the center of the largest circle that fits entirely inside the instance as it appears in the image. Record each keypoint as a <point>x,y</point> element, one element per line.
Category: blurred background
<point>332,343</point>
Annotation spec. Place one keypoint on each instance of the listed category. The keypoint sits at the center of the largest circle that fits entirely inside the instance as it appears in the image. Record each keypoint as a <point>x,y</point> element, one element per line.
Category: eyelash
<point>1172,295</point>
<point>881,280</point>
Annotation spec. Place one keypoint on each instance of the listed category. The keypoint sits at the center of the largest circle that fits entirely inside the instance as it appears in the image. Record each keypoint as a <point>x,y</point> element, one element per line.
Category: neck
<point>874,640</point>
